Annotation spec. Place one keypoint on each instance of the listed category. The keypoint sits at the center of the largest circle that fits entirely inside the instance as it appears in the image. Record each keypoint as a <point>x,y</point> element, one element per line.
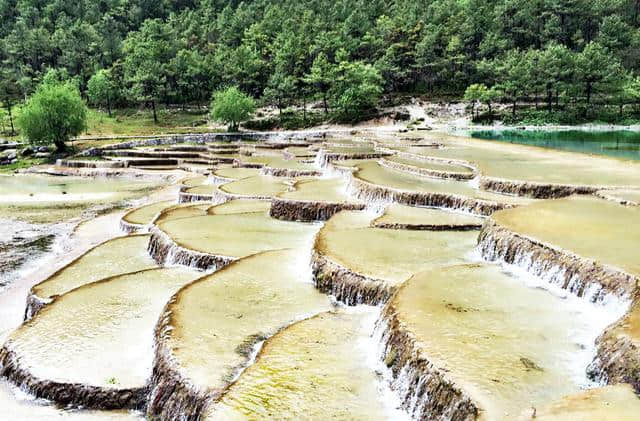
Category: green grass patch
<point>21,164</point>
<point>132,122</point>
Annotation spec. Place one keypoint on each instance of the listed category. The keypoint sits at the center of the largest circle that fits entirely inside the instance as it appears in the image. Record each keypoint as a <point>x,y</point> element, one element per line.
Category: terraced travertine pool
<point>454,280</point>
<point>532,164</point>
<point>379,175</point>
<point>322,190</point>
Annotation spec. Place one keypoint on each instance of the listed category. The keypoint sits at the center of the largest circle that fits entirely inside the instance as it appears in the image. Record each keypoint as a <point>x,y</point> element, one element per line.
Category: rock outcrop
<point>617,357</point>
<point>307,210</point>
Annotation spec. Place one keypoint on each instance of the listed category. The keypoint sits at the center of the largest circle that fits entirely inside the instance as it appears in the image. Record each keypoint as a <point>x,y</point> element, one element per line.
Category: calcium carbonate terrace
<point>531,164</point>
<point>425,282</point>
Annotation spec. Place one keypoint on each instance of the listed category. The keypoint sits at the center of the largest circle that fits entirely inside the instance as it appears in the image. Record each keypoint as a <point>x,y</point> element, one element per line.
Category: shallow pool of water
<point>620,143</point>
<point>509,346</point>
<point>217,320</point>
<point>50,199</point>
<point>313,369</point>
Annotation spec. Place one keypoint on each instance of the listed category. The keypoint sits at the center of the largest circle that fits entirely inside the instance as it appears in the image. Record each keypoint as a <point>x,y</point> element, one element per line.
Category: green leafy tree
<point>9,91</point>
<point>556,65</point>
<point>55,76</point>
<point>54,114</point>
<point>595,69</point>
<point>280,90</point>
<point>148,55</point>
<point>514,76</point>
<point>101,90</point>
<point>321,78</point>
<point>632,89</point>
<point>490,96</point>
<point>192,76</point>
<point>474,94</point>
<point>3,117</point>
<point>627,92</point>
<point>357,89</point>
<point>232,106</point>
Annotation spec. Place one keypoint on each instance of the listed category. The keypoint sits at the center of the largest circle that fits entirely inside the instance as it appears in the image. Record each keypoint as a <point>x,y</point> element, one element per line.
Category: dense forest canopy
<point>180,51</point>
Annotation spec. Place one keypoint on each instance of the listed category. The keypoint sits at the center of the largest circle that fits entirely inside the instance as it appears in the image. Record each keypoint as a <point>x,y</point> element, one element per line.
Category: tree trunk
<point>13,130</point>
<point>513,110</point>
<point>304,108</point>
<point>153,107</point>
<point>621,107</point>
<point>60,145</point>
<point>324,101</point>
<point>589,89</point>
<point>109,106</point>
<point>550,100</point>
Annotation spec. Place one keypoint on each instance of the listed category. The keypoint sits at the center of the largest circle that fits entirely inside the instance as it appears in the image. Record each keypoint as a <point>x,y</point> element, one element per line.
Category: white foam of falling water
<point>369,347</point>
<point>596,316</point>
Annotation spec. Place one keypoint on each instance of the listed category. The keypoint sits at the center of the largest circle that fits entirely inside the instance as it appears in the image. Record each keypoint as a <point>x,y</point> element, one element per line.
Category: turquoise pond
<point>619,144</point>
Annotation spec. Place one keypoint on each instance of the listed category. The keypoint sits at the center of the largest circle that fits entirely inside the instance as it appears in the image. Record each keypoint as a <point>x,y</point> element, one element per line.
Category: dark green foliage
<point>558,53</point>
<point>357,89</point>
<point>288,120</point>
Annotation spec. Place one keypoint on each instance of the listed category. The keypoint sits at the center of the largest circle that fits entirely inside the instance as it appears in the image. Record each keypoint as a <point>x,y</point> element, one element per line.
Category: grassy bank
<point>130,122</point>
<point>134,122</point>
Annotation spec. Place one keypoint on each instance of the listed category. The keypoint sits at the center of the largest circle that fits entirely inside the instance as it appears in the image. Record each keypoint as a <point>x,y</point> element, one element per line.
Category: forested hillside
<point>553,51</point>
